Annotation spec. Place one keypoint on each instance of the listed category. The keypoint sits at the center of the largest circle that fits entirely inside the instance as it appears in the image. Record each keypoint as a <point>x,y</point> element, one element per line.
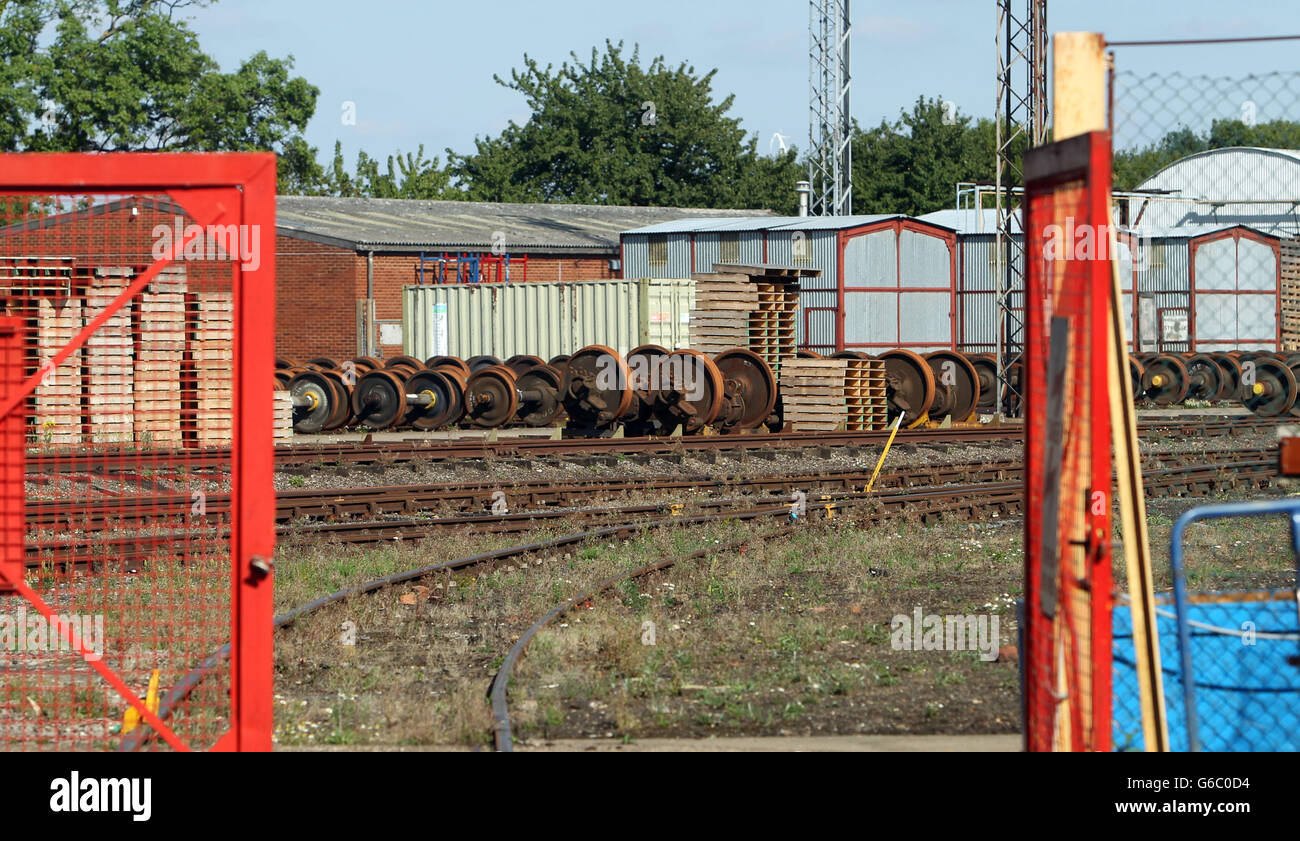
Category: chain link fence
<point>1243,649</point>
<point>1207,185</point>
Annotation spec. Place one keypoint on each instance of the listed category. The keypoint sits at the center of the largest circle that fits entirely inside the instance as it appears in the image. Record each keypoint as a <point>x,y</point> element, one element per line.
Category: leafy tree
<point>612,131</point>
<point>406,177</point>
<point>912,165</point>
<point>1133,166</point>
<point>112,75</point>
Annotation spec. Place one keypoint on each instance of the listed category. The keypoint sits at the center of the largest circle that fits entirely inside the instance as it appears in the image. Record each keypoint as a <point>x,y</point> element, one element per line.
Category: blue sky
<point>421,72</point>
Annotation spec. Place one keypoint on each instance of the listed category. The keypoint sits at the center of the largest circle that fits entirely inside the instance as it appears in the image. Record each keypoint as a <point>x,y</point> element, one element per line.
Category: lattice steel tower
<point>1021,123</point>
<point>830,151</point>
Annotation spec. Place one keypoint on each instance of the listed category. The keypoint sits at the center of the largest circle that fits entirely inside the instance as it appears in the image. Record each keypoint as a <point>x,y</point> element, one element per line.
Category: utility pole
<point>1021,121</point>
<point>830,155</point>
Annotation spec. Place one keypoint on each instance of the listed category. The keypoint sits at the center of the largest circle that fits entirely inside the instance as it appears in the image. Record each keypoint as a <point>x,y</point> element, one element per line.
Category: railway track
<point>380,501</point>
<point>1004,490</point>
<point>971,500</point>
<point>130,462</point>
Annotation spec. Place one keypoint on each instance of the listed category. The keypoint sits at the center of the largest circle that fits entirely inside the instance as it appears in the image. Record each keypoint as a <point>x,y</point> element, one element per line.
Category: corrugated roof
<point>768,223</point>
<point>414,225</point>
<point>1190,231</point>
<point>1255,187</point>
<point>970,221</point>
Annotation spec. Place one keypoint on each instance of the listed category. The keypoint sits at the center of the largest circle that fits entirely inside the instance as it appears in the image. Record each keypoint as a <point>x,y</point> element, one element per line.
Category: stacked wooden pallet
<point>282,429</point>
<point>58,397</point>
<point>1291,294</point>
<point>110,384</point>
<point>159,357</point>
<point>772,324</point>
<point>812,392</point>
<point>866,404</point>
<point>212,342</point>
<point>723,303</point>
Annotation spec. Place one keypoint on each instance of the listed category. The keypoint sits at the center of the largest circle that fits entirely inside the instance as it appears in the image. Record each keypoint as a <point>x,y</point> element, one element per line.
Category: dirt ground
<point>793,637</point>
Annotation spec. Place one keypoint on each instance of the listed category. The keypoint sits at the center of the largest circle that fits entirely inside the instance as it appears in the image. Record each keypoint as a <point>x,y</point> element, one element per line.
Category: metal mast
<point>830,157</point>
<point>1021,123</point>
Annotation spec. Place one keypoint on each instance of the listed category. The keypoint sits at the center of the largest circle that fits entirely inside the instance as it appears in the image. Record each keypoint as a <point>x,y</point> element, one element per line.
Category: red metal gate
<point>136,462</point>
<point>1067,631</point>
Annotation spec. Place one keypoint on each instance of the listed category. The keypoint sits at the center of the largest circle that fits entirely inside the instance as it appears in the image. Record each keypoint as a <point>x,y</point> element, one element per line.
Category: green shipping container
<point>545,319</point>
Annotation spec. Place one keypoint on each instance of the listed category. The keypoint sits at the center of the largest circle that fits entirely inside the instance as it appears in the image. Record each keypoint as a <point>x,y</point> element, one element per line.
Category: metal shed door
<point>1234,294</point>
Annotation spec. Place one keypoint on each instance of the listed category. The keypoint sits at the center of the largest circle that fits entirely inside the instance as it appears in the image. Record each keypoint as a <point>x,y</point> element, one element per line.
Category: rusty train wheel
<point>1165,382</point>
<point>522,362</point>
<point>539,391</point>
<point>446,404</point>
<point>1204,377</point>
<point>490,397</point>
<point>379,400</point>
<point>909,384</point>
<point>1230,382</point>
<point>957,385</point>
<point>404,362</point>
<point>1273,390</point>
<point>749,389</point>
<point>597,387</point>
<point>1136,370</point>
<point>986,370</point>
<point>690,390</point>
<point>317,389</point>
<point>478,363</point>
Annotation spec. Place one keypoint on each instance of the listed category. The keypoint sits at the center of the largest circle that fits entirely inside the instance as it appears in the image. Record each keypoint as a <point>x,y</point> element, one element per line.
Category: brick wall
<point>309,326</point>
<point>318,286</point>
<point>316,292</point>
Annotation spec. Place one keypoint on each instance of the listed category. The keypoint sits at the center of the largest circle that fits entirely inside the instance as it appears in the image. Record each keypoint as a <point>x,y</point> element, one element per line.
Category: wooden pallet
<point>772,324</point>
<point>59,395</point>
<point>282,428</point>
<point>1290,294</point>
<point>813,394</point>
<point>720,319</point>
<point>110,363</point>
<point>212,355</point>
<point>158,368</point>
<point>864,395</point>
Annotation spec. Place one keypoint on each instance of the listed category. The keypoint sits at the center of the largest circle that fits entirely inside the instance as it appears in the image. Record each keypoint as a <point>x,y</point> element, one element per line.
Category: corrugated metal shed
<point>1222,281</point>
<point>398,225</point>
<point>977,311</point>
<point>886,280</point>
<point>1238,185</point>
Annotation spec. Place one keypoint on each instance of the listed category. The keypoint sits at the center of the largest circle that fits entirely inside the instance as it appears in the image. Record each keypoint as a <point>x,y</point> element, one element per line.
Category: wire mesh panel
<point>135,327</point>
<point>1067,446</point>
<point>1232,659</point>
<point>1200,157</point>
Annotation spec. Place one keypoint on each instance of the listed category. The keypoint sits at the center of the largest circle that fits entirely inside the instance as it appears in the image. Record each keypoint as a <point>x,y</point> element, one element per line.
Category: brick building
<point>341,264</point>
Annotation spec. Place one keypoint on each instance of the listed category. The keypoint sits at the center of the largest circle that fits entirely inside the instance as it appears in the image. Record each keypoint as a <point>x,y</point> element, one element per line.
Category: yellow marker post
<point>888,444</point>
<point>132,718</point>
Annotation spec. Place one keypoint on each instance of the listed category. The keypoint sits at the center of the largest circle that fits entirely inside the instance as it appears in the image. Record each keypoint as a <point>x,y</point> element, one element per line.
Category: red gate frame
<point>1085,158</point>
<point>226,188</point>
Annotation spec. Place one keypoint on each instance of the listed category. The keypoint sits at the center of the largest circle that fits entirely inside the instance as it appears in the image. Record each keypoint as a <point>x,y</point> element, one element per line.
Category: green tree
<point>408,176</point>
<point>913,164</point>
<point>116,75</point>
<point>1133,166</point>
<point>612,131</point>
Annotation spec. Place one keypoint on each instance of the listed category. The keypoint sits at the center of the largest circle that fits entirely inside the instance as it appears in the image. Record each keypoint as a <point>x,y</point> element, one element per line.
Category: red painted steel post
<point>1099,512</point>
<point>12,472</point>
<point>253,472</point>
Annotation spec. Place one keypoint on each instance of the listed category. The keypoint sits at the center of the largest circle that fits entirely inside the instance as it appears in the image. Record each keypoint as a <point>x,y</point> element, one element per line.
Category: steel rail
<point>394,452</point>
